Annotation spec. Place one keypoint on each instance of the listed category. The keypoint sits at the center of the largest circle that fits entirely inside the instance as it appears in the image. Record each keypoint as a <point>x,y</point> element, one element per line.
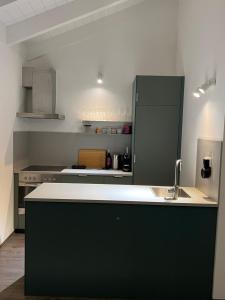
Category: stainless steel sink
<point>163,192</point>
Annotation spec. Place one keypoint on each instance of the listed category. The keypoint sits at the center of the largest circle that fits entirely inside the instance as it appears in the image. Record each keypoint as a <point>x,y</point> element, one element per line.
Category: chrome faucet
<point>175,189</point>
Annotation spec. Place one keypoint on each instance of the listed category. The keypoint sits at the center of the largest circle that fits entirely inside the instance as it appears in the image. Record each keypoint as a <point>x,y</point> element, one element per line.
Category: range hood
<point>39,95</point>
<point>33,115</point>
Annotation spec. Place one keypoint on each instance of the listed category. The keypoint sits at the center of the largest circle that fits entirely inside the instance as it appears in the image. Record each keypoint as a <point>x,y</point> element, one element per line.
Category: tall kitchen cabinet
<point>157,117</point>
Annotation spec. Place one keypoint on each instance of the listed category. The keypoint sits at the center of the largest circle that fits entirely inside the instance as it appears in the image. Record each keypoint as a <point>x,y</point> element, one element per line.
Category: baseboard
<point>19,230</point>
<point>5,241</point>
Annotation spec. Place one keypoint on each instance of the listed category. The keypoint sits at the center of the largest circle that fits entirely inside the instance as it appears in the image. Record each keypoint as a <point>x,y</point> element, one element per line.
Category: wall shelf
<point>105,121</point>
<point>103,127</point>
<point>103,134</point>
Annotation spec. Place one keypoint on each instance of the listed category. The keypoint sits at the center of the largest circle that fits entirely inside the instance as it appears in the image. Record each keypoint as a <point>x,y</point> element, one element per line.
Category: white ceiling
<point>102,12</point>
<point>38,20</point>
<point>21,10</point>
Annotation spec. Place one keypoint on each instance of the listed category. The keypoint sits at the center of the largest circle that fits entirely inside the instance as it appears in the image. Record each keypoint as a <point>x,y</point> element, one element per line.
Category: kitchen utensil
<point>113,131</point>
<point>115,161</point>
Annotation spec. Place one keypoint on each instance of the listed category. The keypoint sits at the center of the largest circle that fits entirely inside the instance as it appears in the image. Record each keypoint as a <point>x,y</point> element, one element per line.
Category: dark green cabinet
<point>158,90</point>
<point>156,149</point>
<point>118,180</point>
<point>80,179</point>
<point>158,106</point>
<point>119,251</point>
<point>97,179</point>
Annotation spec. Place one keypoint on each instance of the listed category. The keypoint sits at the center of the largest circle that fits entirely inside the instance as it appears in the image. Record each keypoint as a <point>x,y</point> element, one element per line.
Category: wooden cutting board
<point>92,158</point>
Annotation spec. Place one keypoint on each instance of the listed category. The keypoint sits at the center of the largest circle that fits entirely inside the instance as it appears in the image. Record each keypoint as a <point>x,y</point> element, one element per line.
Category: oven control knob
<point>54,179</point>
<point>25,177</point>
<point>49,179</point>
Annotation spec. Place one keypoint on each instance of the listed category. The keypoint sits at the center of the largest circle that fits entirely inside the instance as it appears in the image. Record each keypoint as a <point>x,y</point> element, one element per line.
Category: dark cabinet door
<point>119,251</point>
<point>158,90</point>
<point>156,144</point>
<point>80,179</point>
<point>118,180</point>
<point>96,179</point>
<point>89,179</point>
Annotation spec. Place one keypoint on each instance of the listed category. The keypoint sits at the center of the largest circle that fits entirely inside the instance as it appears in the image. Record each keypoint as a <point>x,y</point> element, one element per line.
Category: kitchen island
<point>114,241</point>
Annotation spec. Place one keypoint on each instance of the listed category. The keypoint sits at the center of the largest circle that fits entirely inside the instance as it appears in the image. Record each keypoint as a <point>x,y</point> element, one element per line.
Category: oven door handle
<point>29,184</point>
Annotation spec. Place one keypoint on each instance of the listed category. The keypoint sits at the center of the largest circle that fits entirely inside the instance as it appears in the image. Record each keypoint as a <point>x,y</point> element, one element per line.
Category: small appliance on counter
<point>118,161</point>
<point>126,161</point>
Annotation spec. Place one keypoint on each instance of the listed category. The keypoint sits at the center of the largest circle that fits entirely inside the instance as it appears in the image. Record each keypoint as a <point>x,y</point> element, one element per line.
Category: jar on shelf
<point>98,130</point>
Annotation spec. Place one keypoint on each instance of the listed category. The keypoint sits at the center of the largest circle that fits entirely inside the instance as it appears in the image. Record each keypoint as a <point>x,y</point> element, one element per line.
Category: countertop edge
<point>113,194</point>
<point>99,173</point>
<point>88,173</point>
<point>123,202</point>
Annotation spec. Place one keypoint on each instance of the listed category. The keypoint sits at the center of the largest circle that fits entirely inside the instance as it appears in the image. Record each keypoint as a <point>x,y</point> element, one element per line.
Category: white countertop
<point>95,172</point>
<point>108,193</point>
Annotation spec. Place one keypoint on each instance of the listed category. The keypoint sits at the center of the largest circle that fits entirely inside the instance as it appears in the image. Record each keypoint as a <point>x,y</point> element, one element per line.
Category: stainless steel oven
<point>28,179</point>
<point>23,190</point>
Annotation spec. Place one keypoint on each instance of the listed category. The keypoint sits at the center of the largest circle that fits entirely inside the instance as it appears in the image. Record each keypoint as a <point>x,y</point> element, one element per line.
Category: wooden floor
<point>11,260</point>
<point>12,270</point>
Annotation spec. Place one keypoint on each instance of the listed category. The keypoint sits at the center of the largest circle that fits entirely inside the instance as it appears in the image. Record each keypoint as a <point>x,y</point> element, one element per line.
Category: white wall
<point>201,48</point>
<point>10,100</point>
<point>219,274</point>
<point>139,40</point>
<point>201,52</point>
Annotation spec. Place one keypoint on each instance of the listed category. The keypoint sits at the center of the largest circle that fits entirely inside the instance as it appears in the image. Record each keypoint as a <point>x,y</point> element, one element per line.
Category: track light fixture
<point>196,95</point>
<point>204,87</point>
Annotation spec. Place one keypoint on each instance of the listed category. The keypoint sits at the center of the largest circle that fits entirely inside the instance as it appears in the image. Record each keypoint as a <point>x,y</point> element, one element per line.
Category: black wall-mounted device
<point>206,171</point>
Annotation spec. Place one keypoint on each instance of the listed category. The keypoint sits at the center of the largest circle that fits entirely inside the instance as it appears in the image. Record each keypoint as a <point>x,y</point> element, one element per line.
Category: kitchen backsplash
<point>61,148</point>
<point>20,150</point>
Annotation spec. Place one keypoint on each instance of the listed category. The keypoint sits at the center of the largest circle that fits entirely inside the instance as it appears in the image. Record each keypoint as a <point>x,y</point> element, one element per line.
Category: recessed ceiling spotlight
<point>100,78</point>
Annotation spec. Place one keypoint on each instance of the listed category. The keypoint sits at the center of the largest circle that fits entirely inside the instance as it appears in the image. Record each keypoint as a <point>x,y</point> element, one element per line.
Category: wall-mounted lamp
<point>204,87</point>
<point>196,95</point>
<point>100,78</point>
<point>201,90</point>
